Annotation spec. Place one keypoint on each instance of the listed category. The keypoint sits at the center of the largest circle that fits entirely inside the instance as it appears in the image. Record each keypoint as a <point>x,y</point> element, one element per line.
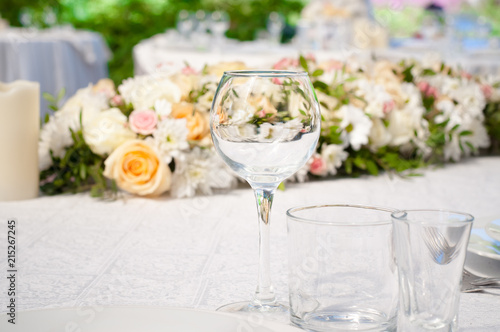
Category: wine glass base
<point>274,311</point>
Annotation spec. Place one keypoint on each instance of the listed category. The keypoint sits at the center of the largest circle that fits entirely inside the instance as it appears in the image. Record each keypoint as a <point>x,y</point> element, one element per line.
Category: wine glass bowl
<point>265,125</point>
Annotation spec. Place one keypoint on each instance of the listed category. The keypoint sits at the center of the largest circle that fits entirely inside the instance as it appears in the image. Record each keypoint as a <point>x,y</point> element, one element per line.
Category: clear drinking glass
<point>342,271</point>
<point>430,248</point>
<point>265,125</point>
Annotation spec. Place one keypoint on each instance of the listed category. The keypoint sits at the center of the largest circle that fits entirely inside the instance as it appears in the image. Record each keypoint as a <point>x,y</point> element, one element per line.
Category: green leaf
<point>350,79</point>
<point>318,72</point>
<point>83,171</point>
<point>359,162</point>
<point>61,94</point>
<point>320,86</point>
<point>302,112</point>
<point>371,167</point>
<point>48,97</point>
<point>303,63</point>
<point>465,133</point>
<point>348,166</point>
<point>428,72</point>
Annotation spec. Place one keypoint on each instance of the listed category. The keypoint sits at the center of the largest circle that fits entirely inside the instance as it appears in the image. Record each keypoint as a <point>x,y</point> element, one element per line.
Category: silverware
<point>480,281</point>
<point>439,248</point>
<point>468,286</point>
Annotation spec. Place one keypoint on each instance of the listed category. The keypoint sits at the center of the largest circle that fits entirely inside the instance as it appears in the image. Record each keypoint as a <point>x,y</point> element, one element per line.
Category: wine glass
<point>265,125</point>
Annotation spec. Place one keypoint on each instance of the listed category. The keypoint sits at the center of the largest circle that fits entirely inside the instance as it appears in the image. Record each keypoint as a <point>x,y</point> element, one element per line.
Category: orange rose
<point>197,123</point>
<point>137,169</point>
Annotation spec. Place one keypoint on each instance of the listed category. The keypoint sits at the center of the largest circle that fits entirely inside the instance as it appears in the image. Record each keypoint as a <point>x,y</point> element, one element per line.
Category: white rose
<point>143,91</point>
<point>379,135</point>
<point>106,131</point>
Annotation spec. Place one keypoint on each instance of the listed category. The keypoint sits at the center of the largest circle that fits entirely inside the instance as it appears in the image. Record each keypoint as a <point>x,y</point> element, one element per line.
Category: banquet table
<point>165,51</point>
<point>57,58</point>
<point>201,252</point>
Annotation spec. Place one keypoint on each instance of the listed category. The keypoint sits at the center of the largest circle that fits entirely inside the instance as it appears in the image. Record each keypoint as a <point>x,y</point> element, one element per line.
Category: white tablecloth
<point>201,252</point>
<point>150,55</point>
<point>56,58</point>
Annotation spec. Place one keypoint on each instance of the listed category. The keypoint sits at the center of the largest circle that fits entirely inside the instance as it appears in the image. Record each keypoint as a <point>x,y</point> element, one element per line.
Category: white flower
<point>143,91</point>
<point>163,108</point>
<point>379,135</point>
<point>170,137</point>
<point>204,103</point>
<point>334,155</point>
<point>356,126</point>
<point>87,102</point>
<point>106,131</point>
<point>375,95</point>
<point>200,170</point>
<point>242,116</point>
<point>56,136</point>
<point>408,124</point>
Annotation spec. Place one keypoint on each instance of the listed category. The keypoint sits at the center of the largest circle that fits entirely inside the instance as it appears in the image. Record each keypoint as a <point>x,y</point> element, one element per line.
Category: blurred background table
<point>57,58</point>
<point>201,252</point>
<point>168,49</point>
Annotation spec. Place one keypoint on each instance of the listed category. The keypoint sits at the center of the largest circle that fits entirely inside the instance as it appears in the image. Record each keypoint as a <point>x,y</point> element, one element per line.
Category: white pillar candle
<point>19,128</point>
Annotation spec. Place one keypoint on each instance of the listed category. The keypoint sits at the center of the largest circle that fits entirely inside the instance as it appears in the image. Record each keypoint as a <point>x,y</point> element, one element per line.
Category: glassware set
<point>351,267</point>
<point>203,27</point>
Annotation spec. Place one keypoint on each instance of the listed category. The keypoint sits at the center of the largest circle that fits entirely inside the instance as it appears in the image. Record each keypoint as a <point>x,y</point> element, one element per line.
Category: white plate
<point>137,319</point>
<point>483,254</point>
<point>493,229</point>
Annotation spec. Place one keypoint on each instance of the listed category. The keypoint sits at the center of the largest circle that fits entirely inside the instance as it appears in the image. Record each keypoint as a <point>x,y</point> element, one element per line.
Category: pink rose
<point>143,121</point>
<point>427,89</point>
<point>117,100</point>
<point>388,106</point>
<point>277,80</point>
<point>318,166</point>
<point>286,63</point>
<point>423,86</point>
<point>466,75</point>
<point>311,57</point>
<point>189,71</point>
<point>487,91</point>
<point>432,91</point>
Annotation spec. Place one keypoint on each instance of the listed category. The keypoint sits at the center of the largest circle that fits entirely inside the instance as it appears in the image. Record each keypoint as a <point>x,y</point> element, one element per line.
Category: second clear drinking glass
<point>265,125</point>
<point>430,247</point>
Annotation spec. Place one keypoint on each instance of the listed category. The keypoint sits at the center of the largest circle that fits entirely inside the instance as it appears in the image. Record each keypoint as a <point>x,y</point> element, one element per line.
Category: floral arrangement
<point>379,115</point>
<point>151,134</point>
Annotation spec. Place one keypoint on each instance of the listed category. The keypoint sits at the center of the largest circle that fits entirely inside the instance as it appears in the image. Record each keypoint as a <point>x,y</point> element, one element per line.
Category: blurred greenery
<point>124,23</point>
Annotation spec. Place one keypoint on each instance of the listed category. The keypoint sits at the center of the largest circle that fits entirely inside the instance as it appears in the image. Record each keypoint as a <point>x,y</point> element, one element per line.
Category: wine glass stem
<point>265,292</point>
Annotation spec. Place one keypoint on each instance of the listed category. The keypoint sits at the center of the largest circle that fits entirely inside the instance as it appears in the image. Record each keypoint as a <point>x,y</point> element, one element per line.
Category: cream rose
<point>197,123</point>
<point>137,168</point>
<point>106,131</point>
<point>220,68</point>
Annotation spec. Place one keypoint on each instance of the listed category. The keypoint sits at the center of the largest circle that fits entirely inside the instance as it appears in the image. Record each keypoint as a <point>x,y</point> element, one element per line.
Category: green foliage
<point>492,123</point>
<point>124,23</point>
<point>78,170</point>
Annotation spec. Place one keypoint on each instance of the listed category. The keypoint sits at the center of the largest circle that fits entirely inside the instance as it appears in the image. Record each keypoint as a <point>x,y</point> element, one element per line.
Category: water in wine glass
<point>266,162</point>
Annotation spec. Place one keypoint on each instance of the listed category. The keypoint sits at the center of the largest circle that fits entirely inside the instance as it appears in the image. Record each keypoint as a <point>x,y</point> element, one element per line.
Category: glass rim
<point>400,215</point>
<point>290,212</point>
<point>266,73</point>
